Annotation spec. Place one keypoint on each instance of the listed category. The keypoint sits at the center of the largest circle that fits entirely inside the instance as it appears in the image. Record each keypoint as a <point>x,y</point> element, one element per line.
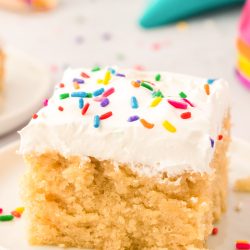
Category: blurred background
<point>85,33</point>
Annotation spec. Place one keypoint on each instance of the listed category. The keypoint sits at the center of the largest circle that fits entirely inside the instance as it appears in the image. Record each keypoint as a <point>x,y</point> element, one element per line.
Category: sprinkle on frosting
<point>178,105</point>
<point>158,93</point>
<point>81,103</point>
<point>76,85</point>
<point>147,86</point>
<point>79,94</point>
<point>64,96</point>
<point>186,115</point>
<point>133,118</point>
<point>104,102</point>
<point>182,95</point>
<point>78,80</point>
<point>169,127</point>
<point>34,116</point>
<point>84,75</point>
<point>155,101</point>
<point>134,103</point>
<point>120,75</point>
<point>61,85</point>
<point>136,84</point>
<point>95,69</point>
<point>188,102</point>
<point>106,115</point>
<point>211,81</point>
<point>207,89</point>
<point>212,142</point>
<point>60,108</point>
<point>85,108</point>
<point>96,121</point>
<point>98,92</point>
<point>146,124</point>
<point>158,77</point>
<point>108,92</point>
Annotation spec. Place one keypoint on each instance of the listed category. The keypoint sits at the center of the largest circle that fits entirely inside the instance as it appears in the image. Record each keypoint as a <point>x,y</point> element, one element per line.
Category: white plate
<point>233,226</point>
<point>27,84</point>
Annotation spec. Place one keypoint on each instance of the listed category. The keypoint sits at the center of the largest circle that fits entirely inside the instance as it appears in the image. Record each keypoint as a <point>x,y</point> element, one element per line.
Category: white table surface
<point>109,34</point>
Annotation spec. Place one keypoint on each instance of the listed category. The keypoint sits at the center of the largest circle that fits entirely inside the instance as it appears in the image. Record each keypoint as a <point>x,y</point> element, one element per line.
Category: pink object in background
<point>243,47</point>
<point>245,23</point>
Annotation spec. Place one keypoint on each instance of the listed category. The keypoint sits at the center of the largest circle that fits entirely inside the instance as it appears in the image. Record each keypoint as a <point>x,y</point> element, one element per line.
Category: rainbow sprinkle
<point>108,92</point>
<point>156,101</point>
<point>136,84</point>
<point>211,81</point>
<point>186,115</point>
<point>89,95</point>
<point>134,103</point>
<point>120,75</point>
<point>182,95</point>
<point>207,89</point>
<point>178,105</point>
<point>133,118</point>
<point>104,102</point>
<point>85,108</point>
<point>158,94</point>
<point>81,103</point>
<point>35,116</point>
<point>158,77</point>
<point>147,86</point>
<point>60,108</point>
<point>79,94</point>
<point>112,71</point>
<point>96,121</point>
<point>212,142</point>
<point>188,102</point>
<point>64,96</point>
<point>107,77</point>
<point>106,115</point>
<point>95,69</point>
<point>146,124</point>
<point>98,92</point>
<point>7,217</point>
<point>76,85</point>
<point>80,81</point>
<point>168,126</point>
<point>84,75</point>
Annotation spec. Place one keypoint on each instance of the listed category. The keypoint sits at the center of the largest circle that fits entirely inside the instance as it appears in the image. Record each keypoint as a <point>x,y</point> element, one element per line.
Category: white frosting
<point>147,151</point>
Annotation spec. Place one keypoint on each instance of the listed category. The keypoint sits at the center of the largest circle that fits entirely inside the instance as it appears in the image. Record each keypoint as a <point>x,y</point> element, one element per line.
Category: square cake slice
<point>122,159</point>
<point>2,59</point>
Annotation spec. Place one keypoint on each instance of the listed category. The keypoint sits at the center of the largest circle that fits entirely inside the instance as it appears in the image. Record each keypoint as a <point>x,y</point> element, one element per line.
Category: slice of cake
<point>122,159</point>
<point>2,57</point>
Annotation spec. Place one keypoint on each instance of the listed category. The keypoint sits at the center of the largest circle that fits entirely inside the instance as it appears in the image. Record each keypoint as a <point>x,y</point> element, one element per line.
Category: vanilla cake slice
<point>122,159</point>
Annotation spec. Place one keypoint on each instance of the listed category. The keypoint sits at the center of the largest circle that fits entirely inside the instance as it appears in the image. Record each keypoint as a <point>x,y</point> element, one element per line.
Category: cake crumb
<point>238,207</point>
<point>242,184</point>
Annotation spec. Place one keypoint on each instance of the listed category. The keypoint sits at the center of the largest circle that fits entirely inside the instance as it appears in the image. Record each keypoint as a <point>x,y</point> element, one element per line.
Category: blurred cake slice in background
<point>2,59</point>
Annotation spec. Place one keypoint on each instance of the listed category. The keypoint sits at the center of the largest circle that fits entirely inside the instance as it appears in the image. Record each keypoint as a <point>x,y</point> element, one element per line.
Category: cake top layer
<point>155,122</point>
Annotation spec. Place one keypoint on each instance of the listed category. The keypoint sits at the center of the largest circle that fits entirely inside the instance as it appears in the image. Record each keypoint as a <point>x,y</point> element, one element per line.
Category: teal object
<point>160,12</point>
